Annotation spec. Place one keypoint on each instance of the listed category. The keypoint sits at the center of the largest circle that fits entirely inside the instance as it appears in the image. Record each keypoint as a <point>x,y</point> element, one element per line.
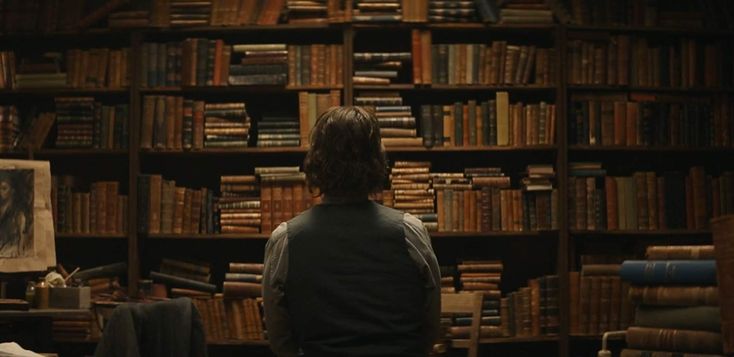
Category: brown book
<point>595,305</point>
<point>484,332</point>
<point>640,353</point>
<point>266,213</point>
<point>722,229</point>
<point>483,267</point>
<point>188,209</point>
<point>534,285</point>
<point>646,338</point>
<point>610,185</point>
<point>252,268</point>
<point>615,303</point>
<point>675,295</point>
<point>584,304</point>
<point>605,303</point>
<point>698,190</point>
<point>154,215</point>
<point>178,209</point>
<point>415,43</point>
<point>237,290</point>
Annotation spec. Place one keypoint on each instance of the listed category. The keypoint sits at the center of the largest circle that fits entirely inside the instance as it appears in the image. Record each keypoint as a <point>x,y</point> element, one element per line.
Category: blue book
<point>646,272</point>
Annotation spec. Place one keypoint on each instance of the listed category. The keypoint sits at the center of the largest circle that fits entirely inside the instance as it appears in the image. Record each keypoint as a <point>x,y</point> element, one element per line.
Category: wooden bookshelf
<point>173,164</point>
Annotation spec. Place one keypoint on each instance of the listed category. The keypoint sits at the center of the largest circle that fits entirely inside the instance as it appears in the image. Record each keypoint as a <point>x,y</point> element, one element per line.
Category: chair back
<point>466,303</point>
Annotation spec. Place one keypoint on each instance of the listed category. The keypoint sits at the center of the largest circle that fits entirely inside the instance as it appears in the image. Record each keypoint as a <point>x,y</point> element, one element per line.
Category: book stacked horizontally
<point>9,127</point>
<point>278,131</point>
<point>381,68</point>
<point>397,123</point>
<point>42,72</point>
<point>677,302</point>
<point>128,19</point>
<point>448,278</point>
<point>480,276</point>
<point>454,11</point>
<point>526,12</point>
<point>411,192</point>
<point>226,125</point>
<point>532,310</point>
<point>599,298</point>
<point>184,278</point>
<point>239,204</point>
<point>377,11</point>
<point>259,64</point>
<point>103,280</point>
<point>190,13</point>
<point>306,12</point>
<point>310,108</point>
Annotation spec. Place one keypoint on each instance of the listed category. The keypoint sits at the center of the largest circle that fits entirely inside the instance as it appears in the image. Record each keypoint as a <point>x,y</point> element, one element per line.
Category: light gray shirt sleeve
<point>418,242</point>
<point>275,270</point>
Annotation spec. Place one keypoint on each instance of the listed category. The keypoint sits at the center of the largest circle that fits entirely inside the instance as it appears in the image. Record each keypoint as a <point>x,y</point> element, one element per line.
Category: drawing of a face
<point>5,191</point>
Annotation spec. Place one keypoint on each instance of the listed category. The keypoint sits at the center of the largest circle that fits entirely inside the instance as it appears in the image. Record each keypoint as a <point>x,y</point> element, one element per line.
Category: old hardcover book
<point>646,338</point>
<point>722,229</point>
<point>675,295</point>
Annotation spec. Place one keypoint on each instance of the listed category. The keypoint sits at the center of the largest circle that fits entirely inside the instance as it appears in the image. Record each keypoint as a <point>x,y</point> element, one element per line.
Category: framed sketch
<point>26,223</point>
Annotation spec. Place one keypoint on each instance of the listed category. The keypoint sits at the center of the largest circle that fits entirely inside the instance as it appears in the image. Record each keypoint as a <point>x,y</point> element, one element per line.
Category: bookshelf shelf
<point>658,233</point>
<point>674,90</point>
<point>250,236</point>
<point>238,343</point>
<point>537,148</point>
<point>80,152</point>
<point>467,88</point>
<point>234,30</point>
<point>90,236</point>
<point>492,235</point>
<point>455,26</point>
<point>650,149</point>
<point>269,89</point>
<point>651,30</point>
<point>462,343</point>
<point>59,92</point>
<point>397,86</point>
<point>594,337</point>
<point>225,151</point>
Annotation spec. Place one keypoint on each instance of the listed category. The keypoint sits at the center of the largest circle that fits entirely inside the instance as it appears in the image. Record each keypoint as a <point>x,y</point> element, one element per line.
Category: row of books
<point>312,65</point>
<point>310,107</point>
<point>495,63</point>
<point>645,200</point>
<point>625,60</point>
<point>685,325</point>
<point>684,14</point>
<point>495,122</point>
<point>533,310</point>
<point>175,123</point>
<point>650,120</point>
<point>283,195</point>
<point>599,300</point>
<point>83,122</point>
<point>47,16</point>
<point>166,208</point>
<point>101,210</point>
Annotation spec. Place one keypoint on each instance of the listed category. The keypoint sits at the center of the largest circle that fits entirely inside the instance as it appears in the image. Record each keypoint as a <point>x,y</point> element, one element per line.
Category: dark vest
<point>352,289</point>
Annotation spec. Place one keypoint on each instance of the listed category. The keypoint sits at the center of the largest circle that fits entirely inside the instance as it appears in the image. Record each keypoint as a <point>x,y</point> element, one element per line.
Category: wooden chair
<point>465,303</point>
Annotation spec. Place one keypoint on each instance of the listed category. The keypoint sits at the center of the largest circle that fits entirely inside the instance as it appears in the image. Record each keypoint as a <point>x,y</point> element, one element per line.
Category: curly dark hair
<point>346,156</point>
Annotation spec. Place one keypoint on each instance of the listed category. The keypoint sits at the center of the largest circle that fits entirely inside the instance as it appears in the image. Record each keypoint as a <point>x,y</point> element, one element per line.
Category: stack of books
<point>397,123</point>
<point>377,11</point>
<point>380,68</point>
<point>306,12</point>
<point>280,131</point>
<point>539,194</point>
<point>42,72</point>
<point>480,276</point>
<point>239,204</point>
<point>184,278</point>
<point>453,11</point>
<point>677,301</point>
<point>103,280</point>
<point>76,117</point>
<point>410,191</point>
<point>226,125</point>
<point>259,64</point>
<point>525,12</point>
<point>242,293</point>
<point>190,13</point>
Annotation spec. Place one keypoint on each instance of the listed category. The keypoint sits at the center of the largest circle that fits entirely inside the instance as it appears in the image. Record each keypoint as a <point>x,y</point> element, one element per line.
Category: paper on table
<point>12,349</point>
